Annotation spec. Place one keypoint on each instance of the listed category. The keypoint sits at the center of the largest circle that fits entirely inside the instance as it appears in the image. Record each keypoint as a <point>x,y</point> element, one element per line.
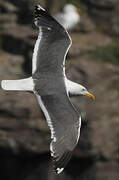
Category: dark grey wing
<point>64,123</point>
<point>52,44</point>
<point>48,60</point>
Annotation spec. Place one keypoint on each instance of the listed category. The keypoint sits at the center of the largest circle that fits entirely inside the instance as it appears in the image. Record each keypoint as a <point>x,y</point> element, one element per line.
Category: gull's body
<point>69,17</point>
<point>52,88</point>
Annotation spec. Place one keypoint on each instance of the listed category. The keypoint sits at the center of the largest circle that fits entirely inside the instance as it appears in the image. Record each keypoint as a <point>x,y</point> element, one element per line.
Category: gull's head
<point>76,89</point>
<point>83,91</point>
<point>69,8</point>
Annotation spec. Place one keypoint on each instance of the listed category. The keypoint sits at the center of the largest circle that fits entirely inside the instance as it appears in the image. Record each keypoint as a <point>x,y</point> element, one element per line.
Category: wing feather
<point>49,79</point>
<point>65,123</point>
<point>51,46</point>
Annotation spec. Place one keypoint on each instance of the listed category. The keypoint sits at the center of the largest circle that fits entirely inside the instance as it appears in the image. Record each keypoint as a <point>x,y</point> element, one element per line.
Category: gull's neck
<point>72,87</point>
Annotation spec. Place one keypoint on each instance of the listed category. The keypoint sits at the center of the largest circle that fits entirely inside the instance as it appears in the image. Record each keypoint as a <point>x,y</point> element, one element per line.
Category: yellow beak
<point>78,11</point>
<point>90,96</point>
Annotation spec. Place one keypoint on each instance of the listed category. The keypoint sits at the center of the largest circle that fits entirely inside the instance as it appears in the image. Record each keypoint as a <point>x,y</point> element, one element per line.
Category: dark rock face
<point>6,7</point>
<point>25,15</point>
<point>105,13</point>
<point>24,135</point>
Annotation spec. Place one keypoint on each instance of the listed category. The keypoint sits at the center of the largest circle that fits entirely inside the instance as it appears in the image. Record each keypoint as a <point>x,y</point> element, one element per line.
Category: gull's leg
<point>18,85</point>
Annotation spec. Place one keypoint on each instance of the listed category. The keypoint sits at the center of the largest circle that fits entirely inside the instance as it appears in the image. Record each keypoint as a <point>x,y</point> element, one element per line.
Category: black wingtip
<point>60,164</point>
<point>42,17</point>
<point>38,10</point>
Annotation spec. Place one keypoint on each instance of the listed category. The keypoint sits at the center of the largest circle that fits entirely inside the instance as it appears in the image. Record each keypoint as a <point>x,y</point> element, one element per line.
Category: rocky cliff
<point>92,61</point>
<point>105,13</point>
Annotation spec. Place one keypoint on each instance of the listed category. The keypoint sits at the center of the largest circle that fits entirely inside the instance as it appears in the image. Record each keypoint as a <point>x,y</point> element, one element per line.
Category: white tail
<point>18,85</point>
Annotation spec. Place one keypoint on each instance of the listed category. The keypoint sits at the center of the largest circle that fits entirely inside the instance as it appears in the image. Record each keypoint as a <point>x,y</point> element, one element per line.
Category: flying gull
<point>69,17</point>
<point>52,88</point>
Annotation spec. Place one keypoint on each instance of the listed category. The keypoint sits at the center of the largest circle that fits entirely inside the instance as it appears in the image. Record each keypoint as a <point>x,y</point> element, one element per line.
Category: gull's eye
<point>83,89</point>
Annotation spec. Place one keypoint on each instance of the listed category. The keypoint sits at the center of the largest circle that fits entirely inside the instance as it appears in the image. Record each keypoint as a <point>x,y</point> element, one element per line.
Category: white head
<point>76,89</point>
<point>83,91</point>
<point>69,8</point>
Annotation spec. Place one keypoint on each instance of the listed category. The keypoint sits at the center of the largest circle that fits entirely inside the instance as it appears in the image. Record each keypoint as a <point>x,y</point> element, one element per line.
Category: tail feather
<point>18,85</point>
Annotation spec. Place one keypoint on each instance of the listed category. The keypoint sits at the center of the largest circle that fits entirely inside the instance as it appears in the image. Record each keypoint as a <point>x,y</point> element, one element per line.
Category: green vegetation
<point>108,53</point>
<point>76,3</point>
<point>115,86</point>
<point>79,5</point>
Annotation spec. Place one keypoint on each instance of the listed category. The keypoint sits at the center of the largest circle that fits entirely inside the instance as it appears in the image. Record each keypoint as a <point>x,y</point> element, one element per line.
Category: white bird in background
<point>69,17</point>
<point>52,88</point>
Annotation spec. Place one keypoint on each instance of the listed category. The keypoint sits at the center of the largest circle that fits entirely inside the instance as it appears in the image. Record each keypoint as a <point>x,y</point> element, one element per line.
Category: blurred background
<point>93,60</point>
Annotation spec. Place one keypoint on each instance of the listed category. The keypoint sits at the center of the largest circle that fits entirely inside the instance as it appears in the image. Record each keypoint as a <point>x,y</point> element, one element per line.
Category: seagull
<point>69,18</point>
<point>52,88</point>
